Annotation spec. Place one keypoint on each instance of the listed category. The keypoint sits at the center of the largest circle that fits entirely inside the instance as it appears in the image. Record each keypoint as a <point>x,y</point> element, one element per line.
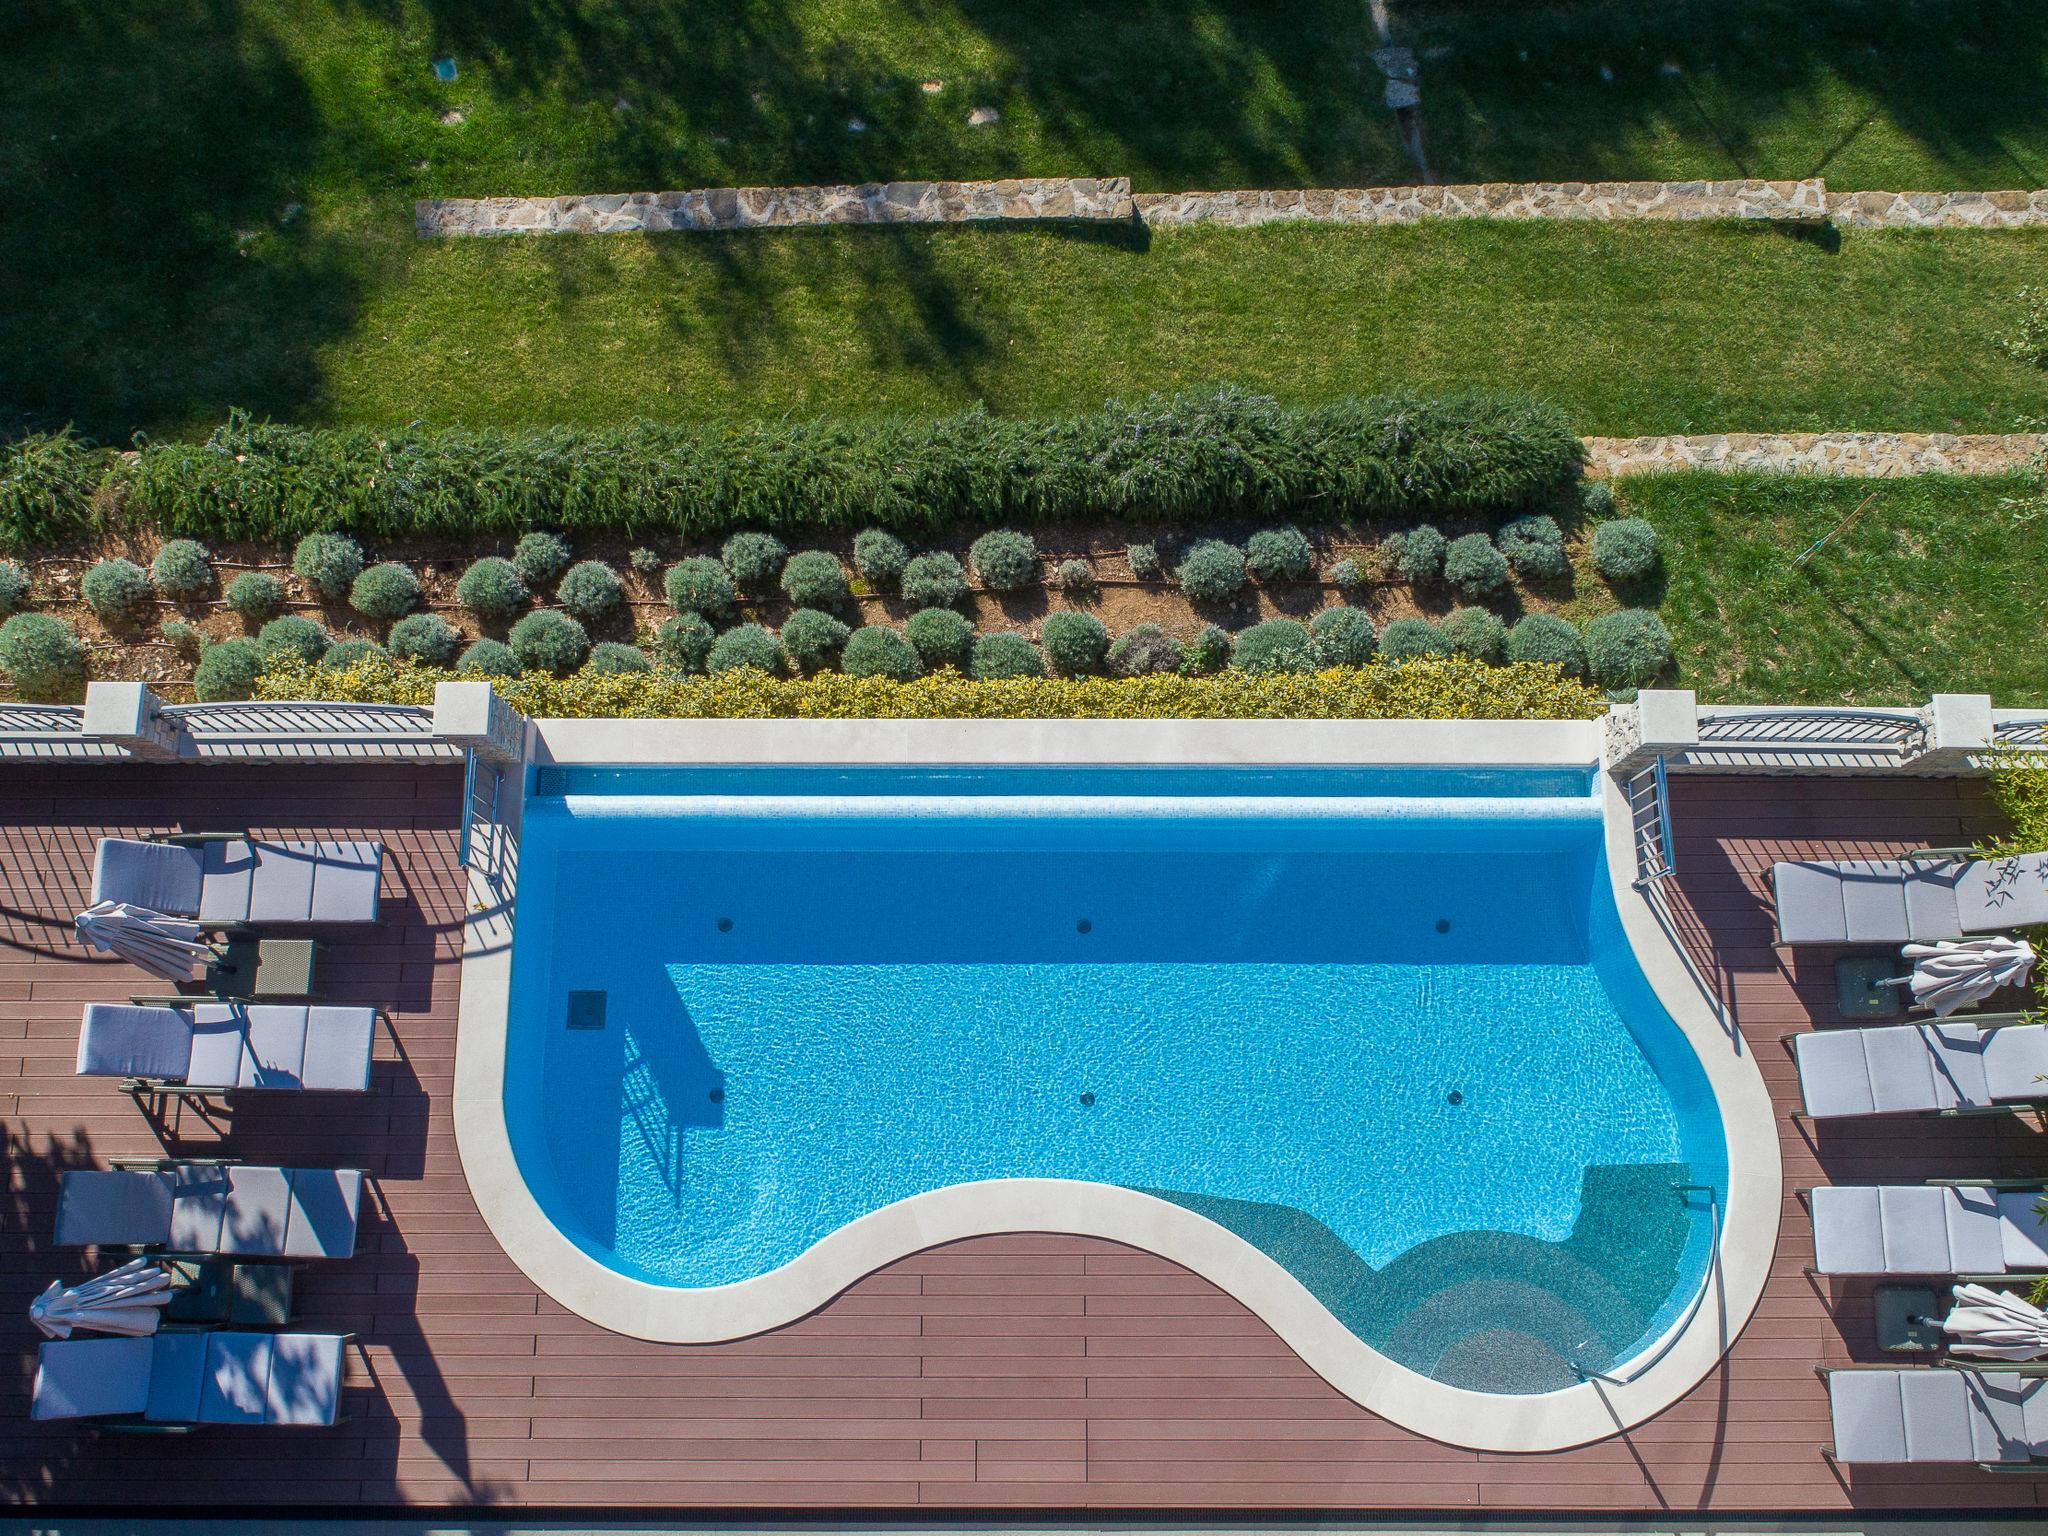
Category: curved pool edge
<point>1475,1420</point>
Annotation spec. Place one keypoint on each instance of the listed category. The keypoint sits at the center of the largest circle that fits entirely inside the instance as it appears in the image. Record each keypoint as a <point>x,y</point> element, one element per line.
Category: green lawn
<point>1935,587</point>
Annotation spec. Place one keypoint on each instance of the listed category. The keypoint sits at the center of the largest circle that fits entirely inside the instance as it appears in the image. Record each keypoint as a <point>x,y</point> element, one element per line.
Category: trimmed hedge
<point>328,563</point>
<point>935,580</point>
<point>1477,633</point>
<point>684,642</point>
<point>1143,559</point>
<point>1145,650</point>
<point>539,558</point>
<point>13,589</point>
<point>879,651</point>
<point>590,591</point>
<point>1005,654</point>
<point>1417,556</point>
<point>747,646</point>
<point>699,585</point>
<point>879,556</point>
<point>1279,554</point>
<point>115,590</point>
<point>492,588</point>
<point>490,658</point>
<point>1344,637</point>
<point>811,636</point>
<point>1473,567</point>
<point>755,559</point>
<point>424,637</point>
<point>43,657</point>
<point>1211,572</point>
<point>182,570</point>
<point>814,579</point>
<point>1076,578</point>
<point>1406,640</point>
<point>1277,645</point>
<point>1629,649</point>
<point>1074,642</point>
<point>1209,651</point>
<point>1534,546</point>
<point>1211,454</point>
<point>1624,550</point>
<point>255,596</point>
<point>942,637</point>
<point>293,636</point>
<point>385,593</point>
<point>228,670</point>
<point>547,640</point>
<point>1005,560</point>
<point>1544,637</point>
<point>617,656</point>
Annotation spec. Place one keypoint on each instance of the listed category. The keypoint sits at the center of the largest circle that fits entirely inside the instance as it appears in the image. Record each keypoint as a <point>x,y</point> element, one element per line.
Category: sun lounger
<point>1894,901</point>
<point>242,880</point>
<point>1993,1418</point>
<point>217,1047</point>
<point>193,1378</point>
<point>1927,1229</point>
<point>1900,1068</point>
<point>213,1208</point>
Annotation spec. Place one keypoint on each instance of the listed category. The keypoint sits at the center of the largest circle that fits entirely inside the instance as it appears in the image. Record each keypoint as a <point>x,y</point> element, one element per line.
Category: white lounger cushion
<point>1889,901</point>
<point>231,1045</point>
<point>1890,1070</point>
<point>2016,1062</point>
<point>1926,1229</point>
<point>300,1213</point>
<point>1937,1415</point>
<point>2003,893</point>
<point>240,880</point>
<point>193,1378</point>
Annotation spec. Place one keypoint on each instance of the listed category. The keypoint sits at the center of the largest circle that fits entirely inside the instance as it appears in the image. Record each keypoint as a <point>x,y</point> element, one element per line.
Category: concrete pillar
<point>129,716</point>
<point>1662,722</point>
<point>472,715</point>
<point>1959,734</point>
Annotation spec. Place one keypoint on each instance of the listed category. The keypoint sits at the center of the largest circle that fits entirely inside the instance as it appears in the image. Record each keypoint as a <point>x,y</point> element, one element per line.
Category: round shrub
<point>1417,556</point>
<point>645,562</point>
<point>13,589</point>
<point>935,580</point>
<point>1476,633</point>
<point>1534,548</point>
<point>1005,560</point>
<point>1076,579</point>
<point>115,590</point>
<point>1627,649</point>
<point>747,646</point>
<point>43,657</point>
<point>1546,637</point>
<point>940,636</point>
<point>684,642</point>
<point>754,559</point>
<point>590,591</point>
<point>1347,577</point>
<point>547,641</point>
<point>879,556</point>
<point>182,570</point>
<point>227,670</point>
<point>1596,499</point>
<point>328,563</point>
<point>491,588</point>
<point>1473,567</point>
<point>699,585</point>
<point>384,593</point>
<point>810,637</point>
<point>814,579</point>
<point>346,653</point>
<point>1212,572</point>
<point>491,658</point>
<point>1624,550</point>
<point>1279,554</point>
<point>1145,650</point>
<point>1209,651</point>
<point>1074,642</point>
<point>255,595</point>
<point>1005,654</point>
<point>424,637</point>
<point>1406,639</point>
<point>1143,560</point>
<point>617,656</point>
<point>1344,637</point>
<point>182,637</point>
<point>1277,645</point>
<point>879,651</point>
<point>292,638</point>
<point>538,558</point>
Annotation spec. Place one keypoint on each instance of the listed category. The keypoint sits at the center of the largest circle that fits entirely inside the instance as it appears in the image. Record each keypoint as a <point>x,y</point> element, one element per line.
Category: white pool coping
<point>1481,1421</point>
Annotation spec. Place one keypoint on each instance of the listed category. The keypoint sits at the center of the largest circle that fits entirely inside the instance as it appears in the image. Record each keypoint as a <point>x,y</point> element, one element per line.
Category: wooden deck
<point>1026,1371</point>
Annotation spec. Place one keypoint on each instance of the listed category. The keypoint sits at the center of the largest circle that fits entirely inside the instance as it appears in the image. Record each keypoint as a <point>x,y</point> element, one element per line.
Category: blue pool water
<point>1382,1024</point>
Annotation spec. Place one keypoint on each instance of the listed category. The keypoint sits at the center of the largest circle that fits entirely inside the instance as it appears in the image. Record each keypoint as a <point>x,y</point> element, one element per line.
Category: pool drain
<point>1088,1099</point>
<point>1454,1097</point>
<point>1443,925</point>
<point>718,1095</point>
<point>725,925</point>
<point>1083,926</point>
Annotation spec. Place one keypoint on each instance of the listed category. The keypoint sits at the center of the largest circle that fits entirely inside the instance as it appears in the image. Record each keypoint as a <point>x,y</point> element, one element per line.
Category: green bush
<point>47,481</point>
<point>384,593</point>
<point>645,562</point>
<point>1347,577</point>
<point>1279,554</point>
<point>549,641</point>
<point>811,637</point>
<point>1212,572</point>
<point>344,654</point>
<point>1005,560</point>
<point>1143,560</point>
<point>1005,654</point>
<point>115,590</point>
<point>935,580</point>
<point>489,658</point>
<point>227,671</point>
<point>1408,639</point>
<point>1076,578</point>
<point>1476,633</point>
<point>292,638</point>
<point>1629,649</point>
<point>1544,637</point>
<point>491,588</point>
<point>590,592</point>
<point>749,645</point>
<point>2028,339</point>
<point>1417,556</point>
<point>328,563</point>
<point>1145,650</point>
<point>1474,568</point>
<point>879,556</point>
<point>755,560</point>
<point>1534,547</point>
<point>941,637</point>
<point>182,570</point>
<point>1277,645</point>
<point>43,657</point>
<point>255,596</point>
<point>616,656</point>
<point>538,558</point>
<point>879,651</point>
<point>1624,550</point>
<point>184,638</point>
<point>1074,642</point>
<point>814,579</point>
<point>684,642</point>
<point>1596,499</point>
<point>699,585</point>
<point>1344,637</point>
<point>1209,651</point>
<point>13,589</point>
<point>424,637</point>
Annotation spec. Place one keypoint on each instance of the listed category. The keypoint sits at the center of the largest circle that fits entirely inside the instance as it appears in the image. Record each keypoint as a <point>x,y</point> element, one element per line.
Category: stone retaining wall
<point>1795,201</point>
<point>1834,453</point>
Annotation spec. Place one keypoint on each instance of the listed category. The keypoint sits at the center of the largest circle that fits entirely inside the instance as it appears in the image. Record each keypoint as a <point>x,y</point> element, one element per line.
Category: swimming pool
<point>1383,1026</point>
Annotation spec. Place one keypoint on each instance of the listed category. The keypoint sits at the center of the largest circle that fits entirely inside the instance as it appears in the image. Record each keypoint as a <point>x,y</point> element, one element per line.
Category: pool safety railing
<point>1953,734</point>
<point>1649,808</point>
<point>1656,1352</point>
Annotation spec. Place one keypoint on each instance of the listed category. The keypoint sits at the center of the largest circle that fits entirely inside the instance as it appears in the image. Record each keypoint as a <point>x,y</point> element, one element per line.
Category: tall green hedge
<point>1219,453</point>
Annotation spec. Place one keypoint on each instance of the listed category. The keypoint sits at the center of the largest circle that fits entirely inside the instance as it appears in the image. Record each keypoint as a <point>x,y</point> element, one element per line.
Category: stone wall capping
<point>1831,453</point>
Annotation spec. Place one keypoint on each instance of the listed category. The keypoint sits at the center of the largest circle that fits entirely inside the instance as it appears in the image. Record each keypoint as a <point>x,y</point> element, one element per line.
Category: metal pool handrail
<point>1813,729</point>
<point>1692,1308</point>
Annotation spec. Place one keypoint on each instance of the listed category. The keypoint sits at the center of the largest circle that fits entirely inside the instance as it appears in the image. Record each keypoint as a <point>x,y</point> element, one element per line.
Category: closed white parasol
<point>164,946</point>
<point>1996,1324</point>
<point>127,1300</point>
<point>1950,974</point>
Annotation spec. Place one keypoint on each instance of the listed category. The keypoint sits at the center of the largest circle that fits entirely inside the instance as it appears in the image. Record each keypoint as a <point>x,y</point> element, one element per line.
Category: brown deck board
<point>1022,1371</point>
